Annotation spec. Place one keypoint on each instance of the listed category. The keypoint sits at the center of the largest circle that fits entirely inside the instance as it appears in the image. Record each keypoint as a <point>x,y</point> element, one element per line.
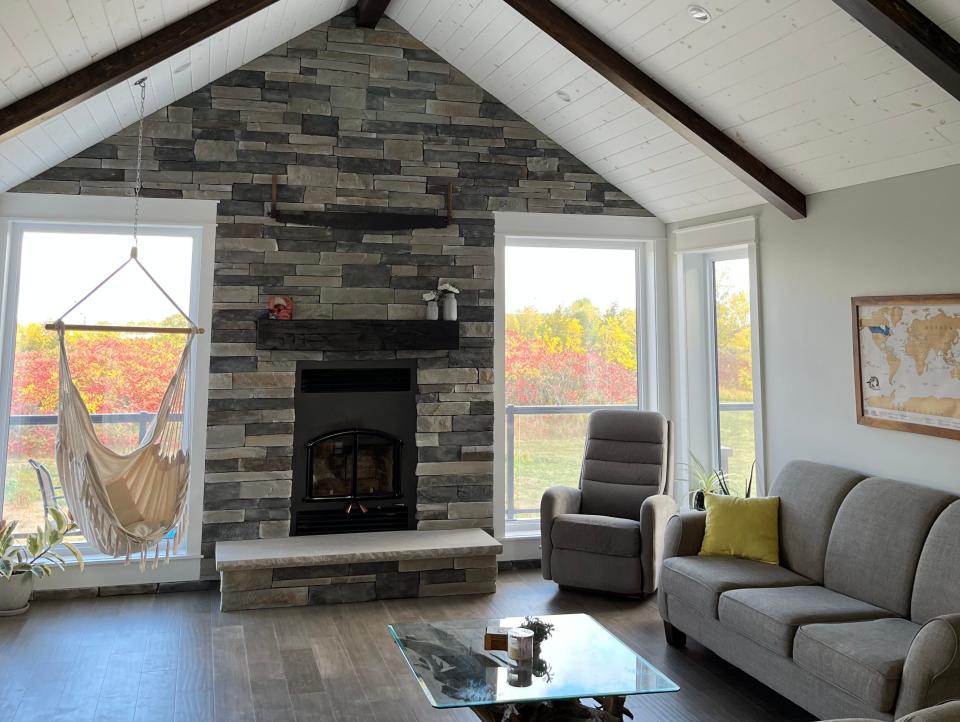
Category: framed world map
<point>906,352</point>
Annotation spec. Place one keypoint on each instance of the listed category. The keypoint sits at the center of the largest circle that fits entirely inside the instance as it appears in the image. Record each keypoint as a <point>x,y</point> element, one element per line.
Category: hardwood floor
<point>176,658</point>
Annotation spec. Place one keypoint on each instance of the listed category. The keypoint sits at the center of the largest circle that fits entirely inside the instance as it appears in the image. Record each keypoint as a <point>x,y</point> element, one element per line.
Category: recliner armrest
<point>931,673</point>
<point>684,534</point>
<point>655,512</point>
<point>556,500</point>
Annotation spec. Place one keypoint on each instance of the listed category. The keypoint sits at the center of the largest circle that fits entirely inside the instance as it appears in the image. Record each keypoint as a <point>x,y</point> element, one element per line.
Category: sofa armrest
<point>931,673</point>
<point>555,501</point>
<point>684,534</point>
<point>655,512</point>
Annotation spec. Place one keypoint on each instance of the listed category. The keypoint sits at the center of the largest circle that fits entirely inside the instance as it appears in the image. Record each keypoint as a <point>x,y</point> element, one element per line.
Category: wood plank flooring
<point>176,658</point>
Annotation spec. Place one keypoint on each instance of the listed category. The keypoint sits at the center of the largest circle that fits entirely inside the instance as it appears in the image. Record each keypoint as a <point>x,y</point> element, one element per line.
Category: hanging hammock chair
<point>126,503</point>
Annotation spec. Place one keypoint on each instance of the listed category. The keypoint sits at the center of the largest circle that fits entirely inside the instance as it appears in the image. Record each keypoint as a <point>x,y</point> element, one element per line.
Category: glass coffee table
<point>575,658</point>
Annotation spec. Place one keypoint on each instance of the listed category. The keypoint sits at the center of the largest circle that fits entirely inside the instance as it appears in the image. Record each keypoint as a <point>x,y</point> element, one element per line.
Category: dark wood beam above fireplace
<point>360,335</point>
<point>369,12</point>
<point>912,34</point>
<point>659,101</point>
<point>124,64</point>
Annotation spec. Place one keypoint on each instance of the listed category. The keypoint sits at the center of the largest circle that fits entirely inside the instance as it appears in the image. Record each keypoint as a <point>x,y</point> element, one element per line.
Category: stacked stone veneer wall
<point>349,119</point>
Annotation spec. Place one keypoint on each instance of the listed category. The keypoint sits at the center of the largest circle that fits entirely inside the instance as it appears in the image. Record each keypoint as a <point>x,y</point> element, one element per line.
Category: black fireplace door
<point>354,464</point>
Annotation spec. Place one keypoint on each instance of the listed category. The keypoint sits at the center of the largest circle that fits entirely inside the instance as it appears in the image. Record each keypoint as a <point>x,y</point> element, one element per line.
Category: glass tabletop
<point>576,658</point>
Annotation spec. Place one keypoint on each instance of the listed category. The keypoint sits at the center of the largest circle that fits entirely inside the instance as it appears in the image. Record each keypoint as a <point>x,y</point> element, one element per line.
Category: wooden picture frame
<point>908,422</point>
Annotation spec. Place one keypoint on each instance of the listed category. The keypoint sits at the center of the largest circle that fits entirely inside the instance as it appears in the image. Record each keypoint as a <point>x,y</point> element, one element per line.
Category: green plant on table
<point>36,553</point>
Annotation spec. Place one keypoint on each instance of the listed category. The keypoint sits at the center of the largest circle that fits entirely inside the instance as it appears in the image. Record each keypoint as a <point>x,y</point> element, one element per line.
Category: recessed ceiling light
<point>699,13</point>
<point>563,95</point>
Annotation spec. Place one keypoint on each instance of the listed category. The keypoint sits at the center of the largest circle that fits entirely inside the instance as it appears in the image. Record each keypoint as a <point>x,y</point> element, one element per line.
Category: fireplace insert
<point>354,465</point>
<point>354,447</point>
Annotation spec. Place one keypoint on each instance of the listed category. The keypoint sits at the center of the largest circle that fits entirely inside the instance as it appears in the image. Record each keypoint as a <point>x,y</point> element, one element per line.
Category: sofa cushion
<point>877,538</point>
<point>936,588</point>
<point>745,528</point>
<point>597,534</point>
<point>862,658</point>
<point>700,581</point>
<point>810,495</point>
<point>946,712</point>
<point>771,617</point>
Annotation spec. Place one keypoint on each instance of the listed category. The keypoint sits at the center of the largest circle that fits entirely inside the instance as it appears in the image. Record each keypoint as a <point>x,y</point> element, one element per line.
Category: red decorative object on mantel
<point>281,308</point>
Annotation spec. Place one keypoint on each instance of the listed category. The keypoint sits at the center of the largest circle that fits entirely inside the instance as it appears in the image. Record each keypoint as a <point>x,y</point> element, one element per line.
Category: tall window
<point>718,399</point>
<point>571,345</point>
<point>732,368</point>
<point>122,377</point>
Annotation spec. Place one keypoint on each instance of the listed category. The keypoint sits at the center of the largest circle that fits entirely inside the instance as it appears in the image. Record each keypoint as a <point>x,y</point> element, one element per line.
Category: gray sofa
<point>946,712</point>
<point>862,616</point>
<point>607,535</point>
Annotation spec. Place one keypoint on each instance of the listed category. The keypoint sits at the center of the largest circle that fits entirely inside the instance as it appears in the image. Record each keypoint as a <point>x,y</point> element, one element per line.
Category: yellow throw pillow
<point>746,528</point>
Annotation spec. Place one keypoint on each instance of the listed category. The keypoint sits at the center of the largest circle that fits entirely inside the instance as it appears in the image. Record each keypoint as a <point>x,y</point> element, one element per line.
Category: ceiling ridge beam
<point>124,64</point>
<point>663,104</point>
<point>922,42</point>
<point>369,12</point>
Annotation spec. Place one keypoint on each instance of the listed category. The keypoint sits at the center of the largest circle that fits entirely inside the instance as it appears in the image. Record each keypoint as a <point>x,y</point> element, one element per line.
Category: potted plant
<point>448,293</point>
<point>712,481</point>
<point>34,556</point>
<point>432,310</point>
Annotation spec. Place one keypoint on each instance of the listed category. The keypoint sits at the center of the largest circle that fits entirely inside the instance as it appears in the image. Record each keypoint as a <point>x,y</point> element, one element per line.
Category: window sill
<point>521,529</point>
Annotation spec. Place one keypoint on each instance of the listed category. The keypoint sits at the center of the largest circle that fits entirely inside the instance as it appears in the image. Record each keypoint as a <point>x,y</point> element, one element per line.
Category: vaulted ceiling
<point>799,83</point>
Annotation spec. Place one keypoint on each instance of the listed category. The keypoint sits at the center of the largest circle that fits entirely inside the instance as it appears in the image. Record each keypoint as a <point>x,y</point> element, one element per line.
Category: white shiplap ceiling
<point>800,83</point>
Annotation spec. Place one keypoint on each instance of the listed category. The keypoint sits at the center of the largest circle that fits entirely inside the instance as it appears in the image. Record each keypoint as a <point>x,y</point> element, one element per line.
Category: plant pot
<point>449,307</point>
<point>698,501</point>
<point>433,312</point>
<point>15,594</point>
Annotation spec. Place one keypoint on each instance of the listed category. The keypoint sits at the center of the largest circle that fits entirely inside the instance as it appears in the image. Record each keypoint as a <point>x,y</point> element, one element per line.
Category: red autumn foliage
<point>114,373</point>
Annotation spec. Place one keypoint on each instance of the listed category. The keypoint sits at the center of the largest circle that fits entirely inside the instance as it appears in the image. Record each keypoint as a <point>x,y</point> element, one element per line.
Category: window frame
<point>697,407</point>
<point>24,212</point>
<point>647,238</point>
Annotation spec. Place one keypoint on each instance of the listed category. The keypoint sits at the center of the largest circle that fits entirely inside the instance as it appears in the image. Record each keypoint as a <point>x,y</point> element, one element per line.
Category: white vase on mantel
<point>449,307</point>
<point>433,311</point>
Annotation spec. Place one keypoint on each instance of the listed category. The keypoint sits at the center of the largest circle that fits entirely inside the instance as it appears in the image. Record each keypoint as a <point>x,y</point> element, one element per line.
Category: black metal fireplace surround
<point>354,457</point>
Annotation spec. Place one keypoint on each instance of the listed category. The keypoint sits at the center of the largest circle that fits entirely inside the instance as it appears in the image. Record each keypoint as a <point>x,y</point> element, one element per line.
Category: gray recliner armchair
<point>608,534</point>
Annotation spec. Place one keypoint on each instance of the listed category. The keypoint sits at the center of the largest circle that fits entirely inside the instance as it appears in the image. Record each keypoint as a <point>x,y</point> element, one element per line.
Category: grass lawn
<point>550,453</point>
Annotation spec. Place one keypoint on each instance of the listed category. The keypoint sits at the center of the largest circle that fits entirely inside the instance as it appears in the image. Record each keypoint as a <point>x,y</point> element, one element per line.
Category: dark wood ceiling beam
<point>369,12</point>
<point>912,34</point>
<point>663,104</point>
<point>124,64</point>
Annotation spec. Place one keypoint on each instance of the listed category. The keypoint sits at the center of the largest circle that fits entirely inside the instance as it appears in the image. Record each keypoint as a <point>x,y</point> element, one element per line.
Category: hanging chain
<point>136,189</point>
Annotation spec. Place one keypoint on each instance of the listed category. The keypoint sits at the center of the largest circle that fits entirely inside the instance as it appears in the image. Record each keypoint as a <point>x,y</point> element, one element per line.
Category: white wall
<point>897,236</point>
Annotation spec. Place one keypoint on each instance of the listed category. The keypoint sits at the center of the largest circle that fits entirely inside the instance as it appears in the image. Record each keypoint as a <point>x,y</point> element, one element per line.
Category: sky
<point>57,269</point>
<point>546,278</point>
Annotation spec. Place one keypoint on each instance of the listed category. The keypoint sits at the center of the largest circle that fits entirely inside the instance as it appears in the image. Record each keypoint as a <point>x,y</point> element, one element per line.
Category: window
<point>718,404</point>
<point>732,387</point>
<point>571,348</point>
<point>577,322</point>
<point>122,377</point>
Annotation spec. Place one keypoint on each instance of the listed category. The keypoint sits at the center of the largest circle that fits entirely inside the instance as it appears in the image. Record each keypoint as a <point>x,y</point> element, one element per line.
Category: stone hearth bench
<point>334,568</point>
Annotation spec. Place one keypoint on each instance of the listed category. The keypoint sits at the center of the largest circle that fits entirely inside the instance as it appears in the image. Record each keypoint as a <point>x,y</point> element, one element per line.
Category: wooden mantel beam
<point>124,64</point>
<point>659,101</point>
<point>912,34</point>
<point>369,12</point>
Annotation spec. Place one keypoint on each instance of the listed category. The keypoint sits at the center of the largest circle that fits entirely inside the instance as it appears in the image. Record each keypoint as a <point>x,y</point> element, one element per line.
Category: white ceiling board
<point>798,82</point>
<point>103,115</point>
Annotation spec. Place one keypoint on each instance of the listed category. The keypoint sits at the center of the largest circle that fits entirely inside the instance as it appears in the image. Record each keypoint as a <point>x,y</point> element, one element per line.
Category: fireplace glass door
<point>354,464</point>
